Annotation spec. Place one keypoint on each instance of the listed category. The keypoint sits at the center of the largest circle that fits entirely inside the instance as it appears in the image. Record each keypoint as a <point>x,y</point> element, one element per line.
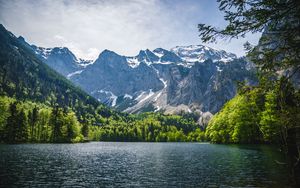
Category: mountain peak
<point>200,53</point>
<point>62,50</point>
<point>3,29</point>
<point>147,56</point>
<point>108,52</point>
<point>20,38</point>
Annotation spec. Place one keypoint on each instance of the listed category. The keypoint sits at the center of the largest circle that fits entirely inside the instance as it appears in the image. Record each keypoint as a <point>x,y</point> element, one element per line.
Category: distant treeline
<point>34,122</point>
<point>26,121</point>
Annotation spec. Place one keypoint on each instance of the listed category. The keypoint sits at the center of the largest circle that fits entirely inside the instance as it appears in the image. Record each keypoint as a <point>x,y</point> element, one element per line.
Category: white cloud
<point>88,27</point>
<point>60,38</point>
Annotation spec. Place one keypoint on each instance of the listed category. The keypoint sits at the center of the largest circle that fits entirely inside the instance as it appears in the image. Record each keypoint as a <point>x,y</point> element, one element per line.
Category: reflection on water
<point>115,164</point>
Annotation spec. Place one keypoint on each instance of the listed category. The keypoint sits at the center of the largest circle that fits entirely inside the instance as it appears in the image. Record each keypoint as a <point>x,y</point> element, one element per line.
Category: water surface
<point>117,164</point>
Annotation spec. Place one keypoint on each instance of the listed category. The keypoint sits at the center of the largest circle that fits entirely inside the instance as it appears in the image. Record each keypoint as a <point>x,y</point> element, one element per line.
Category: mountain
<point>25,77</point>
<point>111,76</point>
<point>60,59</point>
<point>200,53</point>
<point>37,104</point>
<point>184,78</point>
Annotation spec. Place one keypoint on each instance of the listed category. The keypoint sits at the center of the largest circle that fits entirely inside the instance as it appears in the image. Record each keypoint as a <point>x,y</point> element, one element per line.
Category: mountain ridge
<point>25,77</point>
<point>185,78</point>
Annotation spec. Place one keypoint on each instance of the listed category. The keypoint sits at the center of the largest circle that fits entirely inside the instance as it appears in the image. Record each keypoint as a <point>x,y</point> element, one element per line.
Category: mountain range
<point>192,78</point>
<point>24,77</point>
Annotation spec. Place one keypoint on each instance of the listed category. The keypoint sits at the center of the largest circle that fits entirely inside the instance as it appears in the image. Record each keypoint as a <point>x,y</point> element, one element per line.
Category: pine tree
<point>11,124</point>
<point>56,123</point>
<point>22,131</point>
<point>85,129</point>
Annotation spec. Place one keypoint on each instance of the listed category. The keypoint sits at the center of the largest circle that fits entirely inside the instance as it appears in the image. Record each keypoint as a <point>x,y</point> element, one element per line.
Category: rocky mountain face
<point>24,76</point>
<point>184,78</point>
<point>60,59</point>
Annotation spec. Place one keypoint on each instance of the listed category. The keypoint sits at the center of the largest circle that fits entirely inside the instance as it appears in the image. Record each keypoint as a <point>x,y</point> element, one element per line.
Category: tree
<point>16,125</point>
<point>32,118</point>
<point>56,121</point>
<point>43,122</point>
<point>280,21</point>
<point>11,124</point>
<point>277,57</point>
<point>270,121</point>
<point>85,130</point>
<point>71,128</point>
<point>4,113</point>
<point>21,133</point>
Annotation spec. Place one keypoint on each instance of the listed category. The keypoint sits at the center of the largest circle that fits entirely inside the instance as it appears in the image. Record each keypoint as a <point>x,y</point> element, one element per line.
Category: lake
<point>120,164</point>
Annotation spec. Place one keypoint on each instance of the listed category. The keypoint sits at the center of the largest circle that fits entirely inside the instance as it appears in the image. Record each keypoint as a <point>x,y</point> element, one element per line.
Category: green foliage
<point>16,127</point>
<point>256,115</point>
<point>34,122</point>
<point>270,116</point>
<point>148,127</point>
<point>23,76</point>
<point>278,48</point>
<point>276,107</point>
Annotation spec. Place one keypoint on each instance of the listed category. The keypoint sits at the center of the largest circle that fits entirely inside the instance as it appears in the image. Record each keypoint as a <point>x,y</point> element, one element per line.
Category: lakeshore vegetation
<point>28,121</point>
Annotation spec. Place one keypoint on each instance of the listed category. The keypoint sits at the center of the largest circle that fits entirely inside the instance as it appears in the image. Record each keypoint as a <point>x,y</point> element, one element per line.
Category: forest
<point>43,106</point>
<point>26,121</point>
<point>259,114</point>
<point>269,111</point>
<point>39,105</point>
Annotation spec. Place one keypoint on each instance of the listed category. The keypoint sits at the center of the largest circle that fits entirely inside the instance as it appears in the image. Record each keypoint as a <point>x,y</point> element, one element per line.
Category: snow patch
<point>113,97</point>
<point>140,96</point>
<point>161,79</point>
<point>144,96</point>
<point>44,52</point>
<point>133,62</point>
<point>164,63</point>
<point>74,73</point>
<point>147,96</point>
<point>158,54</point>
<point>128,96</point>
<point>219,69</point>
<point>157,108</point>
<point>200,53</point>
<point>84,65</point>
<point>225,59</point>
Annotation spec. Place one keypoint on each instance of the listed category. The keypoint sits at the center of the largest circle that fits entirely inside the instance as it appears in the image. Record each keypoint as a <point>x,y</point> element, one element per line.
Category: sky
<point>88,27</point>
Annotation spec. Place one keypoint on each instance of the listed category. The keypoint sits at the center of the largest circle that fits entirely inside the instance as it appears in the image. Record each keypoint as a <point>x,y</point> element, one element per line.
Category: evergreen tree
<point>11,124</point>
<point>22,131</point>
<point>56,123</point>
<point>32,120</point>
<point>277,57</point>
<point>85,129</point>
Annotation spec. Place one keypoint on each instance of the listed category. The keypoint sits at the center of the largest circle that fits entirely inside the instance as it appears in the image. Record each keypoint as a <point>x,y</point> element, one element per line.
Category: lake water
<point>117,164</point>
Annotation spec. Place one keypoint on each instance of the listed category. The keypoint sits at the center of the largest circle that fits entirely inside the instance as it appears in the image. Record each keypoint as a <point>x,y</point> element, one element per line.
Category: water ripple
<point>111,164</point>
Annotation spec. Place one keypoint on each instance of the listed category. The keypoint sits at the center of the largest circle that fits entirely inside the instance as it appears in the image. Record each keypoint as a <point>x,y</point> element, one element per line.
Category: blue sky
<point>124,26</point>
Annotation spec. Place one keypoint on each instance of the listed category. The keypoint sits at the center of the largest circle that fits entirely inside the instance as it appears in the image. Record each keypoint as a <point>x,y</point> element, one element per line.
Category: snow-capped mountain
<point>200,53</point>
<point>165,80</point>
<point>182,55</point>
<point>184,78</point>
<point>59,58</point>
